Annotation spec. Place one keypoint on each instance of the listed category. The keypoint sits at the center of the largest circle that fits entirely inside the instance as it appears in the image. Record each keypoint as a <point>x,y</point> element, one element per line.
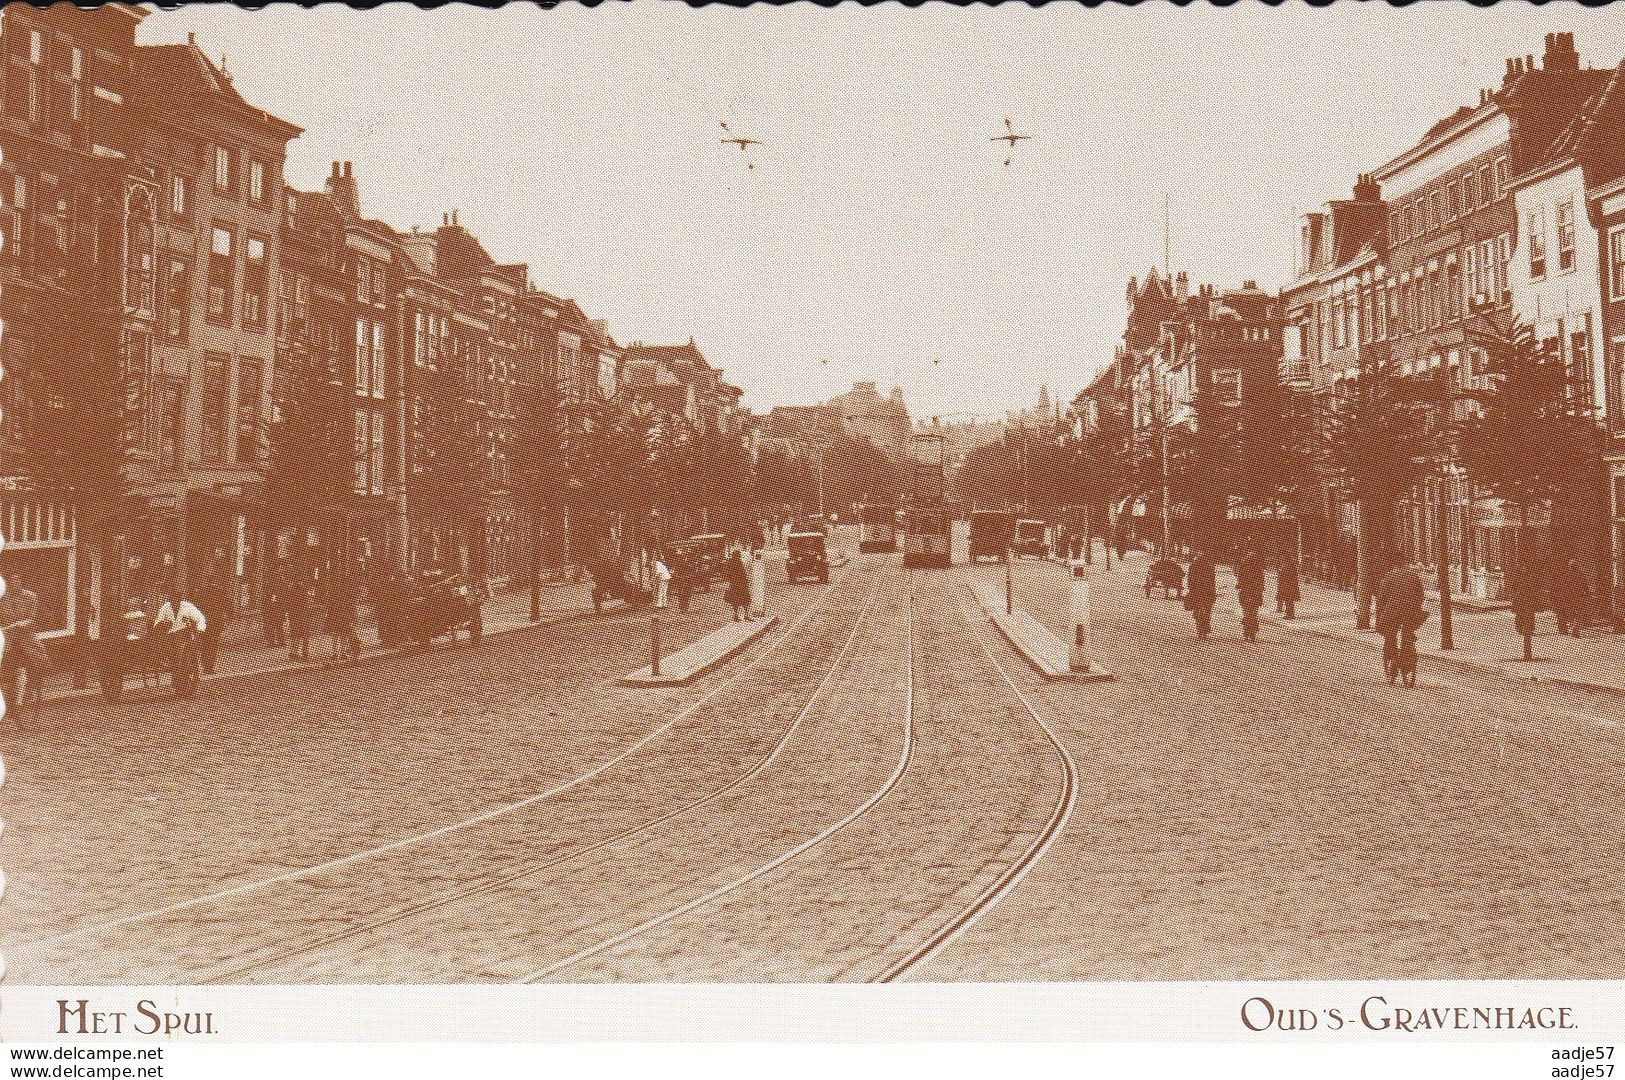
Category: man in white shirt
<point>662,580</point>
<point>177,614</point>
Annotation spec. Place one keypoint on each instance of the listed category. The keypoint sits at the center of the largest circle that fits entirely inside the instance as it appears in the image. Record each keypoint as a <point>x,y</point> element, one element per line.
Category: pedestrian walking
<point>661,573</point>
<point>24,660</point>
<point>758,585</point>
<point>1250,592</point>
<point>275,608</point>
<point>214,600</point>
<point>341,619</point>
<point>1201,590</point>
<point>682,579</point>
<point>1571,594</point>
<point>299,604</point>
<point>1287,591</point>
<point>737,594</point>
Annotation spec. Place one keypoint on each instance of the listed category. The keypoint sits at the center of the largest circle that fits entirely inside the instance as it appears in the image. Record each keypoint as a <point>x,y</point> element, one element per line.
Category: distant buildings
<point>146,220</point>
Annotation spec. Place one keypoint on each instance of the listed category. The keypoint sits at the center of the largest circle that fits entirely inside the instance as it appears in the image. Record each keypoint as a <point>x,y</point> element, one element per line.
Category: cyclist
<point>1400,612</point>
<point>180,621</point>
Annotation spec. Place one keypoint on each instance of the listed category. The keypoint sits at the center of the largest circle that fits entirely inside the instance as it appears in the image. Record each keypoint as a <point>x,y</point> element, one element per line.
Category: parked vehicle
<point>441,605</point>
<point>152,657</point>
<point>991,532</point>
<point>705,553</point>
<point>808,557</point>
<point>609,582</point>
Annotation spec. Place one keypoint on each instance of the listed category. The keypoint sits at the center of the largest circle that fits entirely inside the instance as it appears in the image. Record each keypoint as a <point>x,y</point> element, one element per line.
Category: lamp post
<point>1447,638</point>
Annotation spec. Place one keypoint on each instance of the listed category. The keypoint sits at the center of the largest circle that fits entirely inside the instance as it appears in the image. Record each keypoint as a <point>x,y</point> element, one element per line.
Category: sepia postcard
<point>765,523</point>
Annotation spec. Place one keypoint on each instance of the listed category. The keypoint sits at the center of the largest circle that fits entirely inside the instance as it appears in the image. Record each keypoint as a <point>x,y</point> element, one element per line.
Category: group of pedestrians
<point>744,581</point>
<point>297,606</point>
<point>1202,592</point>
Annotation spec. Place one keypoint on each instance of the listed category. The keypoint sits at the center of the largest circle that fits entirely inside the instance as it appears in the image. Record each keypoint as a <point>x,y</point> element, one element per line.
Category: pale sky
<point>880,228</point>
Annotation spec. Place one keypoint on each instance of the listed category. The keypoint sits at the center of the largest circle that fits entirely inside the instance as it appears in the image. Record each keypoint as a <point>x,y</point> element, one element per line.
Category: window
<point>1616,263</point>
<point>1227,385</point>
<point>36,48</point>
<point>1502,169</point>
<point>363,280</point>
<point>1581,382</point>
<point>1415,219</point>
<point>180,196</point>
<point>250,421</point>
<point>369,358</point>
<point>1565,235</point>
<point>256,282</point>
<point>177,298</point>
<point>369,452</point>
<point>1503,266</point>
<point>222,168</point>
<point>1469,191</point>
<point>256,181</point>
<point>76,88</point>
<point>1484,183</point>
<point>1452,207</point>
<point>172,423</point>
<point>214,407</point>
<point>1616,396</point>
<point>1537,243</point>
<point>222,269</point>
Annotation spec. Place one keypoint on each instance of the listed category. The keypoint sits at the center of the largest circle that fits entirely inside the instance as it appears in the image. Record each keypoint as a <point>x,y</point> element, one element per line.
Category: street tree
<point>539,471</point>
<point>1528,439</point>
<point>76,410</point>
<point>1380,434</point>
<point>313,453</point>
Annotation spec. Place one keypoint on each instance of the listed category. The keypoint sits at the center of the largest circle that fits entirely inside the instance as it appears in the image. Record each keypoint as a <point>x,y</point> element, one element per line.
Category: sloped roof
<point>1601,117</point>
<point>168,73</point>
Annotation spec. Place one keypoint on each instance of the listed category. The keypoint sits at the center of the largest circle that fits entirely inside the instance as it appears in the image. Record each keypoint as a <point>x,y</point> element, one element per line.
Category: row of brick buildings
<point>144,210</point>
<point>1508,210</point>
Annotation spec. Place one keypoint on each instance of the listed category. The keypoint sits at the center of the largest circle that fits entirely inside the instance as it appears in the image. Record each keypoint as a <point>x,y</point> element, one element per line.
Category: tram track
<point>494,885</point>
<point>905,760</point>
<point>1012,875</point>
<point>358,857</point>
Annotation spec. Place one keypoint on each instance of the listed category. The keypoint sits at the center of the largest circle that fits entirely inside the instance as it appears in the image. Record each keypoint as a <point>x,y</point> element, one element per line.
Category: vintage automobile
<point>1167,575</point>
<point>808,557</point>
<point>609,582</point>
<point>705,553</point>
<point>991,532</point>
<point>433,605</point>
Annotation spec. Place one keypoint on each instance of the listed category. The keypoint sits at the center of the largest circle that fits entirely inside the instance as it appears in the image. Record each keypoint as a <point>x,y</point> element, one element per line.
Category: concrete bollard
<point>1079,654</point>
<point>654,644</point>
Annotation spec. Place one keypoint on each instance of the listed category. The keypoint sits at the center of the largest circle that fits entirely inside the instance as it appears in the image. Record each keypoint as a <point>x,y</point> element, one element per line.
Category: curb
<point>643,676</point>
<point>1045,665</point>
<point>75,697</point>
<point>1482,667</point>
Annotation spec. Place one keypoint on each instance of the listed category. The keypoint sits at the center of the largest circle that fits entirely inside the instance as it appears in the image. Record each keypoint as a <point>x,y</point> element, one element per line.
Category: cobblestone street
<point>868,792</point>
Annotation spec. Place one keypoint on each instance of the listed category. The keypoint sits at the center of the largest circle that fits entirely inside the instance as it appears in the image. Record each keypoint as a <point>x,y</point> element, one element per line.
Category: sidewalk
<point>244,653</point>
<point>1484,638</point>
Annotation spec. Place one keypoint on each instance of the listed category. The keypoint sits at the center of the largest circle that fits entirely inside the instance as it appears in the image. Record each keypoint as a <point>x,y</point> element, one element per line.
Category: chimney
<point>341,189</point>
<point>1560,54</point>
<point>1367,189</point>
<point>191,37</point>
<point>1182,286</point>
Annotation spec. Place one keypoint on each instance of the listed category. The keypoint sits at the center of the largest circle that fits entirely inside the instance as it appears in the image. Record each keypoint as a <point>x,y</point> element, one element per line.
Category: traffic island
<point>690,662</point>
<point>1047,653</point>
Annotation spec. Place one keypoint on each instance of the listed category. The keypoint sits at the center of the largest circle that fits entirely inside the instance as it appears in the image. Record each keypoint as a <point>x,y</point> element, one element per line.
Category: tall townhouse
<point>1341,312</point>
<point>1607,209</point>
<point>79,214</point>
<point>1559,288</point>
<point>217,165</point>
